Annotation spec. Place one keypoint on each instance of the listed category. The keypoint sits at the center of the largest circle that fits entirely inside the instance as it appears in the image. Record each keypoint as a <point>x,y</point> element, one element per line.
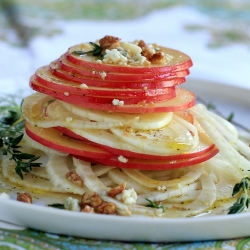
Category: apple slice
<point>89,81</point>
<point>44,76</point>
<point>109,75</point>
<point>201,149</point>
<point>142,164</point>
<point>179,61</point>
<point>184,99</point>
<point>54,139</point>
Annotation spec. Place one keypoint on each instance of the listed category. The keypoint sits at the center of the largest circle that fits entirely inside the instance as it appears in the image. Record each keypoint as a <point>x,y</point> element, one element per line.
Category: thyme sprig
<point>11,134</point>
<point>24,162</point>
<point>243,200</point>
<point>96,51</point>
<point>154,205</point>
<point>11,122</point>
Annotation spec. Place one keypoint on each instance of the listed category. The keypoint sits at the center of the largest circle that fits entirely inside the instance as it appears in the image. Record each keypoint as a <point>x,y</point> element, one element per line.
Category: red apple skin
<point>44,77</point>
<point>184,100</point>
<point>181,61</point>
<point>66,65</point>
<point>200,150</point>
<point>53,139</point>
<point>143,164</point>
<point>79,79</point>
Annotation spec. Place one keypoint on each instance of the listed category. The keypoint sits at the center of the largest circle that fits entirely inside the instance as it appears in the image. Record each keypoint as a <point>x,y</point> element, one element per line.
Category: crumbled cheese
<point>4,196</point>
<point>66,93</point>
<point>72,204</point>
<point>117,102</point>
<point>139,59</point>
<point>83,86</point>
<point>122,159</point>
<point>161,188</point>
<point>99,61</point>
<point>68,119</point>
<point>103,74</point>
<point>128,196</point>
<point>114,56</point>
<point>132,49</point>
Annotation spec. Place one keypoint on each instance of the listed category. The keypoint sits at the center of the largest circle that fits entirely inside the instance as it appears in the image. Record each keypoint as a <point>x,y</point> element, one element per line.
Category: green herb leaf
<point>57,205</point>
<point>211,106</point>
<point>26,156</point>
<point>230,117</point>
<point>11,127</point>
<point>243,200</point>
<point>94,52</point>
<point>16,140</point>
<point>154,205</point>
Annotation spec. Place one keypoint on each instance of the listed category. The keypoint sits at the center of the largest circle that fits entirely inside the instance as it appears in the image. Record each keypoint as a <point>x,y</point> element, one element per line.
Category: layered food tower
<point>116,125</point>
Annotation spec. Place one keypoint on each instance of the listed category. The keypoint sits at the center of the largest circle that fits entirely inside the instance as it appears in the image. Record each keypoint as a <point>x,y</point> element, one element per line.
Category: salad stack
<point>119,104</point>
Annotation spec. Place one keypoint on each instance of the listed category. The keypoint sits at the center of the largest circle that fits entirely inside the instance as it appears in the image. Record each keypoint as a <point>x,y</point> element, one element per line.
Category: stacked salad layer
<point>123,104</point>
<point>117,127</point>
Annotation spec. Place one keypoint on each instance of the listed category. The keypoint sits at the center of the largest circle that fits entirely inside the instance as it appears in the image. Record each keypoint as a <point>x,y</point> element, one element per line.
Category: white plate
<point>227,98</point>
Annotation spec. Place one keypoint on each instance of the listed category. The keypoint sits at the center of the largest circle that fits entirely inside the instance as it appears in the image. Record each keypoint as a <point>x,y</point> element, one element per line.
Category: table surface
<point>32,239</point>
<point>215,35</point>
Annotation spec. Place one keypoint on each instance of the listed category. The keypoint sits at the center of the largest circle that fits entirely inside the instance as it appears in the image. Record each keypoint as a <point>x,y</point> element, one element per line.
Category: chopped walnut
<point>92,203</point>
<point>158,58</point>
<point>74,178</point>
<point>106,208</point>
<point>145,50</point>
<point>117,190</point>
<point>109,42</point>
<point>24,197</point>
<point>155,58</point>
<point>91,199</point>
<point>88,209</point>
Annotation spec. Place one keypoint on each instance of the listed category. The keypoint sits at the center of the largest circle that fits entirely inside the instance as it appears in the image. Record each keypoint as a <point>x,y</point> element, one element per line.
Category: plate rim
<point>9,212</point>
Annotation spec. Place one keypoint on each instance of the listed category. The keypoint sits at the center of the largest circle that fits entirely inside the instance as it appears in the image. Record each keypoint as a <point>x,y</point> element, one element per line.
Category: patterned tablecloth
<point>214,33</point>
<point>32,239</point>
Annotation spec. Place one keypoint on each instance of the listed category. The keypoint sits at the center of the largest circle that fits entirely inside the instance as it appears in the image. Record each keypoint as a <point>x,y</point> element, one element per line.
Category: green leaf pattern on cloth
<point>30,239</point>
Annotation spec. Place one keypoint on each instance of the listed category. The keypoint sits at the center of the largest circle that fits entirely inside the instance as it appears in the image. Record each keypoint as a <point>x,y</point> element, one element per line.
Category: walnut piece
<point>91,199</point>
<point>88,209</point>
<point>109,42</point>
<point>158,58</point>
<point>145,50</point>
<point>74,178</point>
<point>155,58</point>
<point>117,190</point>
<point>92,203</point>
<point>24,197</point>
<point>106,208</point>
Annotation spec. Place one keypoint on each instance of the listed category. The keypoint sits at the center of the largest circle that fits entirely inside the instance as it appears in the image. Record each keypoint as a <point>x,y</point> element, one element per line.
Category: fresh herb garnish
<point>57,205</point>
<point>211,106</point>
<point>11,122</point>
<point>154,205</point>
<point>95,52</point>
<point>11,134</point>
<point>244,198</point>
<point>230,117</point>
<point>24,162</point>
